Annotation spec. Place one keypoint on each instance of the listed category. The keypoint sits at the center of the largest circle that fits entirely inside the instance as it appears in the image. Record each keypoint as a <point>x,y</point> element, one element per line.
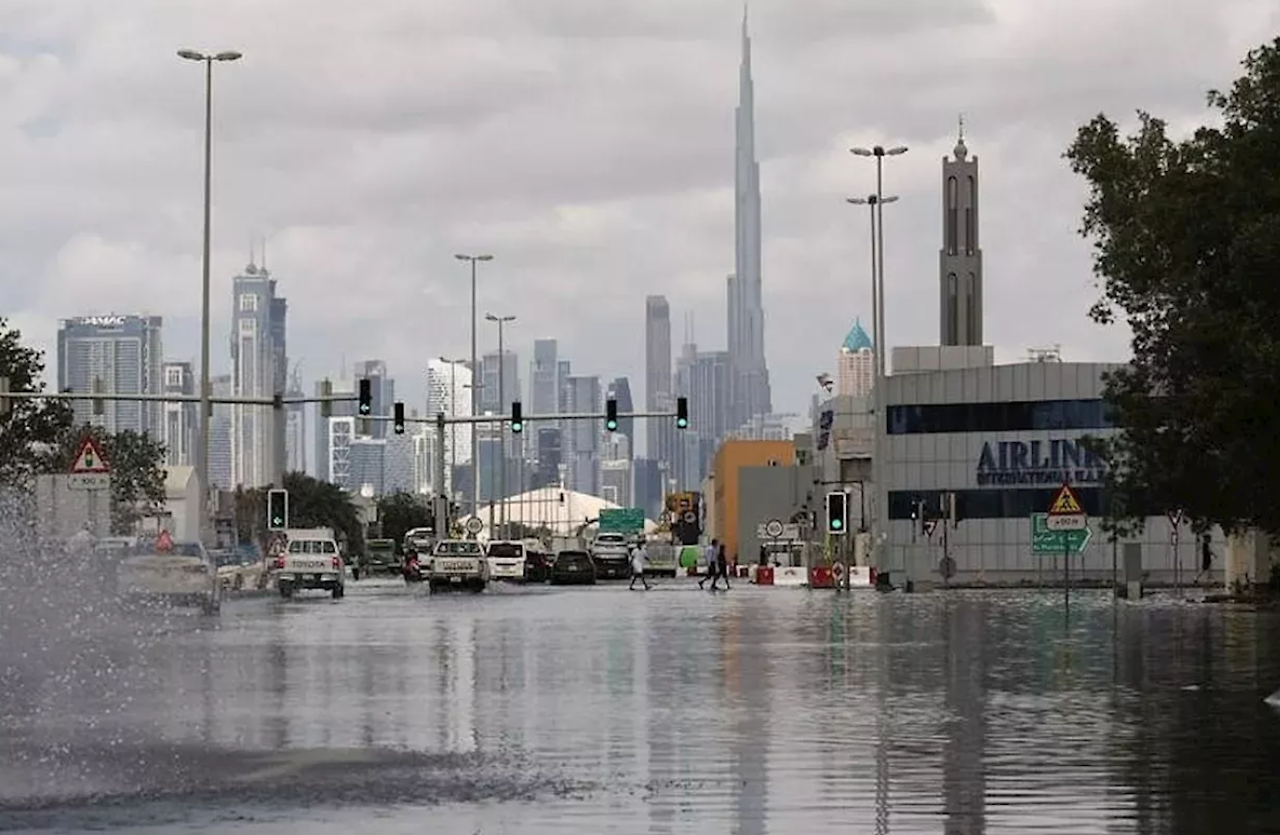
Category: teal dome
<point>857,338</point>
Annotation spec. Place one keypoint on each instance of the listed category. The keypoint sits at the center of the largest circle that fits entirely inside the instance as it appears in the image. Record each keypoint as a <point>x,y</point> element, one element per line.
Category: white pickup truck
<point>458,564</point>
<point>310,561</point>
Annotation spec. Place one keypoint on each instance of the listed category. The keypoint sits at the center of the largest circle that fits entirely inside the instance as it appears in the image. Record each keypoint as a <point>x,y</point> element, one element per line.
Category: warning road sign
<point>89,468</point>
<point>1066,513</point>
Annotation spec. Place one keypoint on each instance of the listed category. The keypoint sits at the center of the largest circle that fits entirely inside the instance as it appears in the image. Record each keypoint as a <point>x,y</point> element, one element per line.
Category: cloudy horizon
<point>591,152</point>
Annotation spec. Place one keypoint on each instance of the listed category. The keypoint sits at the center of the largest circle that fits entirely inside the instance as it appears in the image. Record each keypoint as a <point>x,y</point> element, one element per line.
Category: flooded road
<point>673,711</point>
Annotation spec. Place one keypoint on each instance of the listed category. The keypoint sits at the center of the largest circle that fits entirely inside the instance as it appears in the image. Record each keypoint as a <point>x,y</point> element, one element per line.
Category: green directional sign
<point>622,519</point>
<point>1045,541</point>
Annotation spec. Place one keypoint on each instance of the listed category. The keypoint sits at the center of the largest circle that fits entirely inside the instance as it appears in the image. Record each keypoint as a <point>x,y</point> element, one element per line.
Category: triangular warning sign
<point>89,458</point>
<point>1065,504</point>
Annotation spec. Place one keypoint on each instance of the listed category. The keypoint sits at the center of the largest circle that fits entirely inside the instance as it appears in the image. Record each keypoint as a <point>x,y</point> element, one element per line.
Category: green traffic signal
<point>681,423</point>
<point>277,521</point>
<point>837,524</point>
<point>611,425</point>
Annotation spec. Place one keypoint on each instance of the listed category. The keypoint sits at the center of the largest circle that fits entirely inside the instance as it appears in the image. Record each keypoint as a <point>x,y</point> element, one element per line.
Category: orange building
<point>731,457</point>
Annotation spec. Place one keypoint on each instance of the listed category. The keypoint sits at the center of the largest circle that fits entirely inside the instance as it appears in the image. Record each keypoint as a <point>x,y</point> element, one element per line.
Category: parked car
<point>611,556</point>
<point>380,557</point>
<point>506,561</point>
<point>573,568</point>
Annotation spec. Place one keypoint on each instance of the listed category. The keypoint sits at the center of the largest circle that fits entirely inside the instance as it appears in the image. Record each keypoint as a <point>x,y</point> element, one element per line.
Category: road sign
<point>773,528</point>
<point>474,525</point>
<point>89,468</point>
<point>1066,504</point>
<point>1045,540</point>
<point>930,525</point>
<point>1067,523</point>
<point>787,532</point>
<point>622,519</point>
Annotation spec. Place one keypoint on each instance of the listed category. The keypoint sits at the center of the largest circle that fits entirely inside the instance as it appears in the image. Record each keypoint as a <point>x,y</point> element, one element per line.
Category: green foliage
<point>29,424</point>
<point>312,504</point>
<point>400,512</point>
<point>137,470</point>
<point>1186,240</point>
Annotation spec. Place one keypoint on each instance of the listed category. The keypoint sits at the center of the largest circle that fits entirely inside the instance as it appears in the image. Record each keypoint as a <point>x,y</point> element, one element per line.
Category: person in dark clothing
<point>722,568</point>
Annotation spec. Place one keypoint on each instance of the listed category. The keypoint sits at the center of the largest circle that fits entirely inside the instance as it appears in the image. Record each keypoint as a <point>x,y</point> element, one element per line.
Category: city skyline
<point>559,210</point>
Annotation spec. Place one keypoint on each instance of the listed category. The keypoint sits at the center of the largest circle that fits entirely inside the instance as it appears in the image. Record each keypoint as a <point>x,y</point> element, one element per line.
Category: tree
<point>28,424</point>
<point>1186,240</point>
<point>400,512</point>
<point>312,504</point>
<point>137,470</point>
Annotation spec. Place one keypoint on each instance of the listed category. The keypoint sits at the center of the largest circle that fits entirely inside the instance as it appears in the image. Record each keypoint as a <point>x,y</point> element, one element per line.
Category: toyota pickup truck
<point>458,564</point>
<point>310,561</point>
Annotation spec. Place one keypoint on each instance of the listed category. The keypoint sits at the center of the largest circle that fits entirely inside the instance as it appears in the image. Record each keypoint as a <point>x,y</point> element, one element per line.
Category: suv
<point>506,561</point>
<point>458,563</point>
<point>380,556</point>
<point>611,556</point>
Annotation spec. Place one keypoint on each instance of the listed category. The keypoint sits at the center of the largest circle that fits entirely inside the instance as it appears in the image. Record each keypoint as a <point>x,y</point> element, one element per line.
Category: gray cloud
<point>588,145</point>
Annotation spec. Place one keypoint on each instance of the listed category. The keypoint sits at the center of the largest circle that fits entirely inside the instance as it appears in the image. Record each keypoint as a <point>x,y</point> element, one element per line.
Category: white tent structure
<point>560,510</point>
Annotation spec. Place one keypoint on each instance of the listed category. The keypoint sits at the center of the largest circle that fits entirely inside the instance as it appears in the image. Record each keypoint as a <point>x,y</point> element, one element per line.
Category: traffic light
<point>682,413</point>
<point>366,397</point>
<point>277,509</point>
<point>397,421</point>
<point>837,511</point>
<point>611,415</point>
<point>517,416</point>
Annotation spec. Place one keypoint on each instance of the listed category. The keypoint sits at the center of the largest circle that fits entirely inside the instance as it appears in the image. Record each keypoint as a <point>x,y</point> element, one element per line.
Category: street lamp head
<point>191,55</point>
<point>890,199</point>
<point>484,257</point>
<point>229,55</point>
<point>860,201</point>
<point>462,257</point>
<point>862,152</point>
<point>492,318</point>
<point>896,151</point>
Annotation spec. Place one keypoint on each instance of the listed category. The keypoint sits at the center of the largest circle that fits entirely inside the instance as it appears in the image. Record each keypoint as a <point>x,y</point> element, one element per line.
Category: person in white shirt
<point>710,553</point>
<point>639,556</point>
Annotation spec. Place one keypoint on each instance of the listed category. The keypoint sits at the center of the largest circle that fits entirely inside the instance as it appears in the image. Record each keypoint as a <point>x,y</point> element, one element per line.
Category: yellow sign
<point>1066,504</point>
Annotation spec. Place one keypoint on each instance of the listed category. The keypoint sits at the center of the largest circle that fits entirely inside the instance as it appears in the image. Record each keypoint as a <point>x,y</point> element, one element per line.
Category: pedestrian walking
<point>710,555</point>
<point>639,556</point>
<point>721,568</point>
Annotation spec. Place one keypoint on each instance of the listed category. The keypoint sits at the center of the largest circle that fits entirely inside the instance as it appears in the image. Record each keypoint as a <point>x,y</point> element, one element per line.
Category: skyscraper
<point>342,410</point>
<point>659,434</point>
<point>449,393</point>
<point>856,370</point>
<point>220,435</point>
<point>258,369</point>
<point>179,419</point>
<point>543,389</point>
<point>492,398</point>
<point>295,428</point>
<point>123,355</point>
<point>582,437</point>
<point>749,393</point>
<point>960,260</point>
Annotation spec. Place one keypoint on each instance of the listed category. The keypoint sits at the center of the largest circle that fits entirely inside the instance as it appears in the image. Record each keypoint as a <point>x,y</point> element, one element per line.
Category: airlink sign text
<point>1043,463</point>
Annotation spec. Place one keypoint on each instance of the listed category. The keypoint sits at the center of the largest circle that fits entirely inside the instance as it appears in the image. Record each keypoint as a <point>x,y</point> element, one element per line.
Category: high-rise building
<point>449,393</point>
<point>616,483</point>
<point>220,435</point>
<point>544,389</point>
<point>295,427</point>
<point>258,369</point>
<point>582,437</point>
<point>749,391</point>
<point>563,373</point>
<point>549,457</point>
<point>383,389</point>
<point>704,378</point>
<point>856,364</point>
<point>960,260</point>
<point>179,419</point>
<point>659,437</point>
<point>338,410</point>
<point>121,355</point>
<point>340,434</point>
<point>493,398</point>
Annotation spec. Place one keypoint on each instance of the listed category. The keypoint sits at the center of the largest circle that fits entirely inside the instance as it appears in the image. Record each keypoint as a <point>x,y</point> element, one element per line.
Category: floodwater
<point>670,711</point>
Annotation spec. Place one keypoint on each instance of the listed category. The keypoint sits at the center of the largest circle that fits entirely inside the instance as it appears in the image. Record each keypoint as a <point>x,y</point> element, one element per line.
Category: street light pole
<point>879,399</point>
<point>502,406</point>
<point>206,406</point>
<point>475,371</point>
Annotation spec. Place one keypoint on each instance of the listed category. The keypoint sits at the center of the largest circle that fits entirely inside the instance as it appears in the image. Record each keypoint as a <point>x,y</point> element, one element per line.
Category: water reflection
<point>753,712</point>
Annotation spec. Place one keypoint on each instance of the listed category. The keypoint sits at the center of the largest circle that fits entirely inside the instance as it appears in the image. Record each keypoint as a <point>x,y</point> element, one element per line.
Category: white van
<point>506,561</point>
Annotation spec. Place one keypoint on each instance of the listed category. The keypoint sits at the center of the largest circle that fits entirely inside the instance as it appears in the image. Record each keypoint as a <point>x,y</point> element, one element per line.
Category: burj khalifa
<point>749,394</point>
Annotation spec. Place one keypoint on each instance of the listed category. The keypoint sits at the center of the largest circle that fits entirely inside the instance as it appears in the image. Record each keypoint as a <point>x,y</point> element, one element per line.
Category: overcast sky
<point>587,144</point>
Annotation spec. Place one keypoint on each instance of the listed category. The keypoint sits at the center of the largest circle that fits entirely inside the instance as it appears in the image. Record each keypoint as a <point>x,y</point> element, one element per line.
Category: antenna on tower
<point>264,253</point>
<point>961,136</point>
